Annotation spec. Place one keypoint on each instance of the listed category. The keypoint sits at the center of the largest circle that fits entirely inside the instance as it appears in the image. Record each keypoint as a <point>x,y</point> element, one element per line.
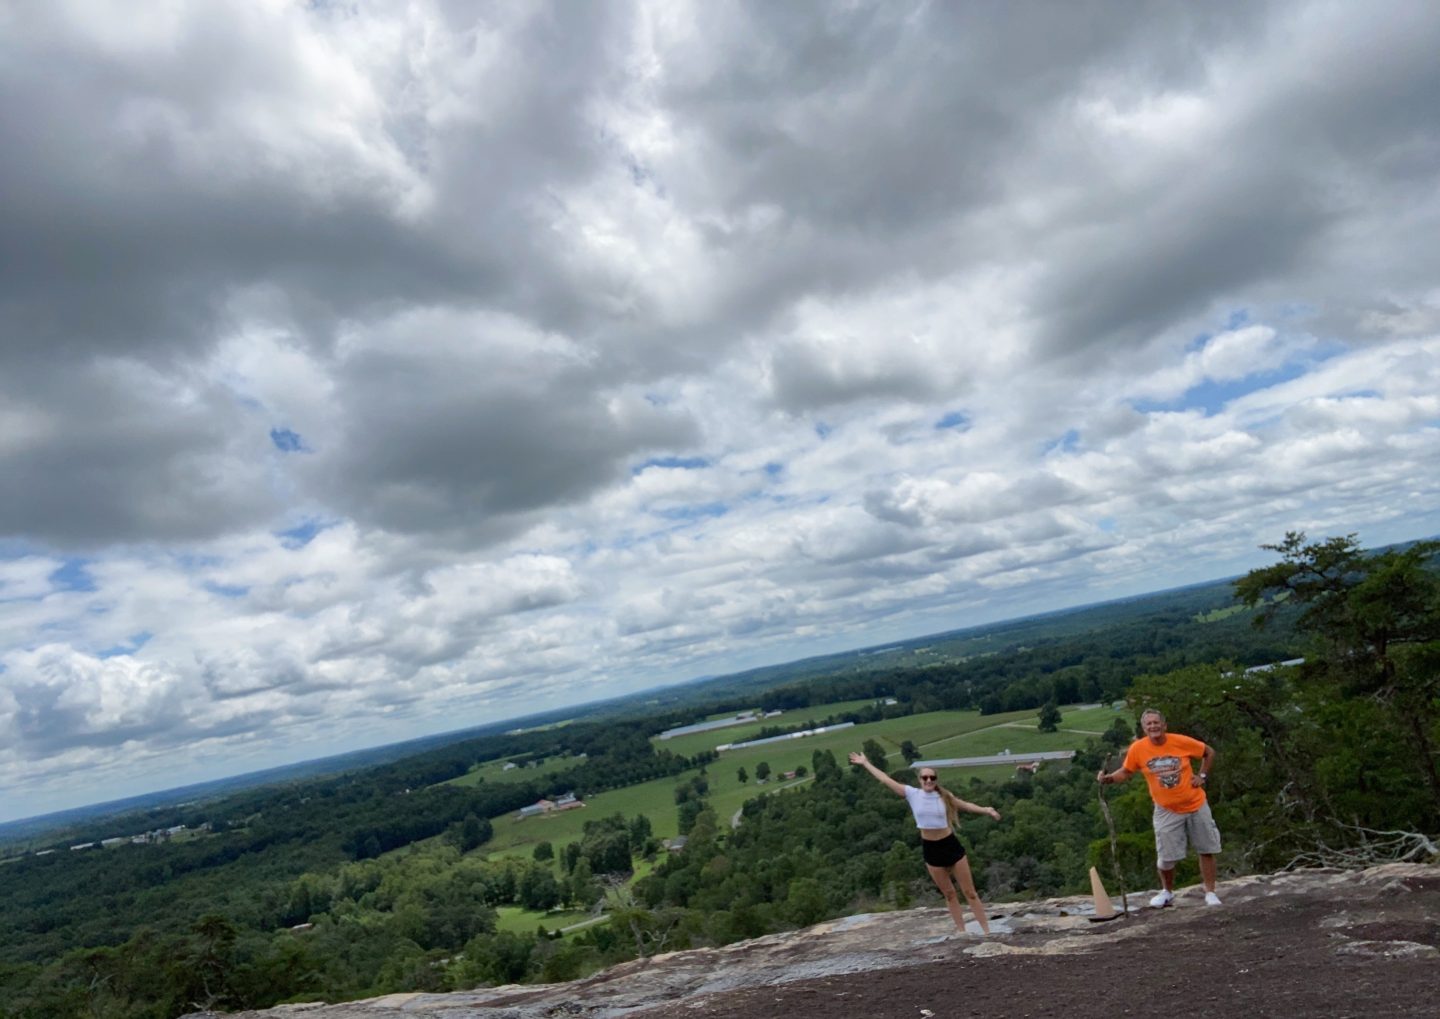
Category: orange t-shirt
<point>1167,770</point>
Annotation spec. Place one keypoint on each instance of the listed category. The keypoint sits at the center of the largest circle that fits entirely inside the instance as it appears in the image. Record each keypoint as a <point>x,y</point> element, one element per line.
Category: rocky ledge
<point>1334,943</point>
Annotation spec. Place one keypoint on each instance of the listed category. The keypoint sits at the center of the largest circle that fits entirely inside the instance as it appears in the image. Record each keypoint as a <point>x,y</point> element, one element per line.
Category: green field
<point>524,921</point>
<point>693,743</point>
<point>494,771</point>
<point>1095,720</point>
<point>654,799</point>
<point>1016,739</point>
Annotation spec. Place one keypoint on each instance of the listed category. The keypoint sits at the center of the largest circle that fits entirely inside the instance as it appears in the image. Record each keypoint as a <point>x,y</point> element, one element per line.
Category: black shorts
<point>944,852</point>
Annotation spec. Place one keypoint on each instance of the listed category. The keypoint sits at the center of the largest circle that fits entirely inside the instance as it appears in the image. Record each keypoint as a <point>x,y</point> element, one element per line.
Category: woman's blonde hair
<point>952,809</point>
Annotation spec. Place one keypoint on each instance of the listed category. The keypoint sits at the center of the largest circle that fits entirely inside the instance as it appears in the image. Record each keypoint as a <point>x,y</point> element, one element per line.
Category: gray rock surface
<point>1367,914</point>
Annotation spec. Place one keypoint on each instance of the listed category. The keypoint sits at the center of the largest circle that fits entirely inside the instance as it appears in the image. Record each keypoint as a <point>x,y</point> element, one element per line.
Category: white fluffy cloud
<point>371,370</point>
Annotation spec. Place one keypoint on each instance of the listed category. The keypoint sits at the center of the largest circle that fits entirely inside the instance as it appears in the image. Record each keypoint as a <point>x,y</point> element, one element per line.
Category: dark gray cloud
<point>112,451</point>
<point>473,435</point>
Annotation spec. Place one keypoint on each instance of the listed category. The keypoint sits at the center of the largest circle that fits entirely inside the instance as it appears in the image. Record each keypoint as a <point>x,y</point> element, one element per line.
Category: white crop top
<point>928,808</point>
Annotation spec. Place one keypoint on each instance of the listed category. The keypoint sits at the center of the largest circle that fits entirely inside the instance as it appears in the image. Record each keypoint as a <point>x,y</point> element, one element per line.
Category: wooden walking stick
<point>1114,851</point>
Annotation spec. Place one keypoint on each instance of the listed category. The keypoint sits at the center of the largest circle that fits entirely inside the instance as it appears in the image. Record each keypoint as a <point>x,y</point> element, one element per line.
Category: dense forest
<point>380,880</point>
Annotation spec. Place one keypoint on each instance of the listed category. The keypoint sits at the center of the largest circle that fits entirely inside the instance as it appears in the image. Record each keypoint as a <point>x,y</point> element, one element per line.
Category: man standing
<point>1182,816</point>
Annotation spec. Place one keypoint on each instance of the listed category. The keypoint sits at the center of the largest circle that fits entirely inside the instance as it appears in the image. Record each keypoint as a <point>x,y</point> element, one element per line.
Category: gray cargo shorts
<point>1176,833</point>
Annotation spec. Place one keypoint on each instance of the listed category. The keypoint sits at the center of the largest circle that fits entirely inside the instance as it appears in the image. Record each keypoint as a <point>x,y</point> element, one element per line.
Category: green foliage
<point>806,902</point>
<point>471,833</point>
<point>606,844</point>
<point>582,889</point>
<point>827,769</point>
<point>1135,852</point>
<point>1049,717</point>
<point>1369,692</point>
<point>538,890</point>
<point>642,835</point>
<point>1119,735</point>
<point>689,813</point>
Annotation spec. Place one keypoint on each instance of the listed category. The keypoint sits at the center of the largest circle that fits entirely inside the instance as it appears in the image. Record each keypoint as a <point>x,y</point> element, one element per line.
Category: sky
<point>371,370</point>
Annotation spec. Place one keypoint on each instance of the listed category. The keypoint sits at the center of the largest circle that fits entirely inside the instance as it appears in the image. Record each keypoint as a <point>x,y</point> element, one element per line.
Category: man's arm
<point>1120,774</point>
<point>1207,761</point>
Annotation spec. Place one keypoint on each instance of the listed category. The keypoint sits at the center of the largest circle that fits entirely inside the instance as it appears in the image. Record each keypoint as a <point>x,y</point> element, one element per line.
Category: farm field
<point>1093,719</point>
<point>1017,739</point>
<point>524,921</point>
<point>787,755</point>
<point>494,771</point>
<point>655,799</point>
<point>693,743</point>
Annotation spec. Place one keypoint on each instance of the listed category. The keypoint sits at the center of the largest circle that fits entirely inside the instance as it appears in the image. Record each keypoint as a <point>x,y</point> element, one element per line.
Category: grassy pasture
<point>1018,739</point>
<point>693,743</point>
<point>655,799</point>
<point>1095,720</point>
<point>524,921</point>
<point>494,772</point>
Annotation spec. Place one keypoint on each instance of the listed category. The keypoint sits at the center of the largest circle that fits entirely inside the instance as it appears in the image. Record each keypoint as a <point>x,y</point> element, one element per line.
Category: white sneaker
<point>1164,898</point>
<point>1211,899</point>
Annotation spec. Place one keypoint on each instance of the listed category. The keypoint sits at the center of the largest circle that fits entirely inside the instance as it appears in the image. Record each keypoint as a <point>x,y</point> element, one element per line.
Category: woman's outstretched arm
<point>896,787</point>
<point>972,808</point>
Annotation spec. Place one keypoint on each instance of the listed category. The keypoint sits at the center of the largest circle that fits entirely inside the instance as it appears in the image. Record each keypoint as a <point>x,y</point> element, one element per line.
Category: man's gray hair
<point>1152,711</point>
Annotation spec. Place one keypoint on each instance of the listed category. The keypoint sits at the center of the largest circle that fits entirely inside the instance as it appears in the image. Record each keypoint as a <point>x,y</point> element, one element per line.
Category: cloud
<point>371,370</point>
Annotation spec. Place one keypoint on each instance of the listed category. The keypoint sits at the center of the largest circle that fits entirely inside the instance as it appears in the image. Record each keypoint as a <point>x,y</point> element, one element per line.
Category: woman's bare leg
<point>941,877</point>
<point>967,886</point>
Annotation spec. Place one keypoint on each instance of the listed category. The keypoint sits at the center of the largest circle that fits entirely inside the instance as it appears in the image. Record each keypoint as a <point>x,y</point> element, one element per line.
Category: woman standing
<point>936,811</point>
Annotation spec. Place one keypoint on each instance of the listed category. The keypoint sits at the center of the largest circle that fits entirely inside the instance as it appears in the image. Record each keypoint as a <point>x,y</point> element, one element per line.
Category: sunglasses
<point>928,778</point>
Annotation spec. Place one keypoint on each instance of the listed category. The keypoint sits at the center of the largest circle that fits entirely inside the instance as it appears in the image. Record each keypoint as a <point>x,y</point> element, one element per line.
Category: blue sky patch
<point>287,441</point>
<point>302,534</point>
<point>1211,397</point>
<point>227,590</point>
<point>688,463</point>
<point>1067,443</point>
<point>73,576</point>
<point>954,419</point>
<point>129,646</point>
<point>822,429</point>
<point>774,469</point>
<point>700,511</point>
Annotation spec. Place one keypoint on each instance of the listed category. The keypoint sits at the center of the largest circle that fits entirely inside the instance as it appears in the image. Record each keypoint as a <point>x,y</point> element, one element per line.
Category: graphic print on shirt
<point>1166,770</point>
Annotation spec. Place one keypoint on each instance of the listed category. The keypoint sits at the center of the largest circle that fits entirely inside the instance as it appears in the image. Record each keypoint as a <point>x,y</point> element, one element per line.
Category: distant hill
<point>354,760</point>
